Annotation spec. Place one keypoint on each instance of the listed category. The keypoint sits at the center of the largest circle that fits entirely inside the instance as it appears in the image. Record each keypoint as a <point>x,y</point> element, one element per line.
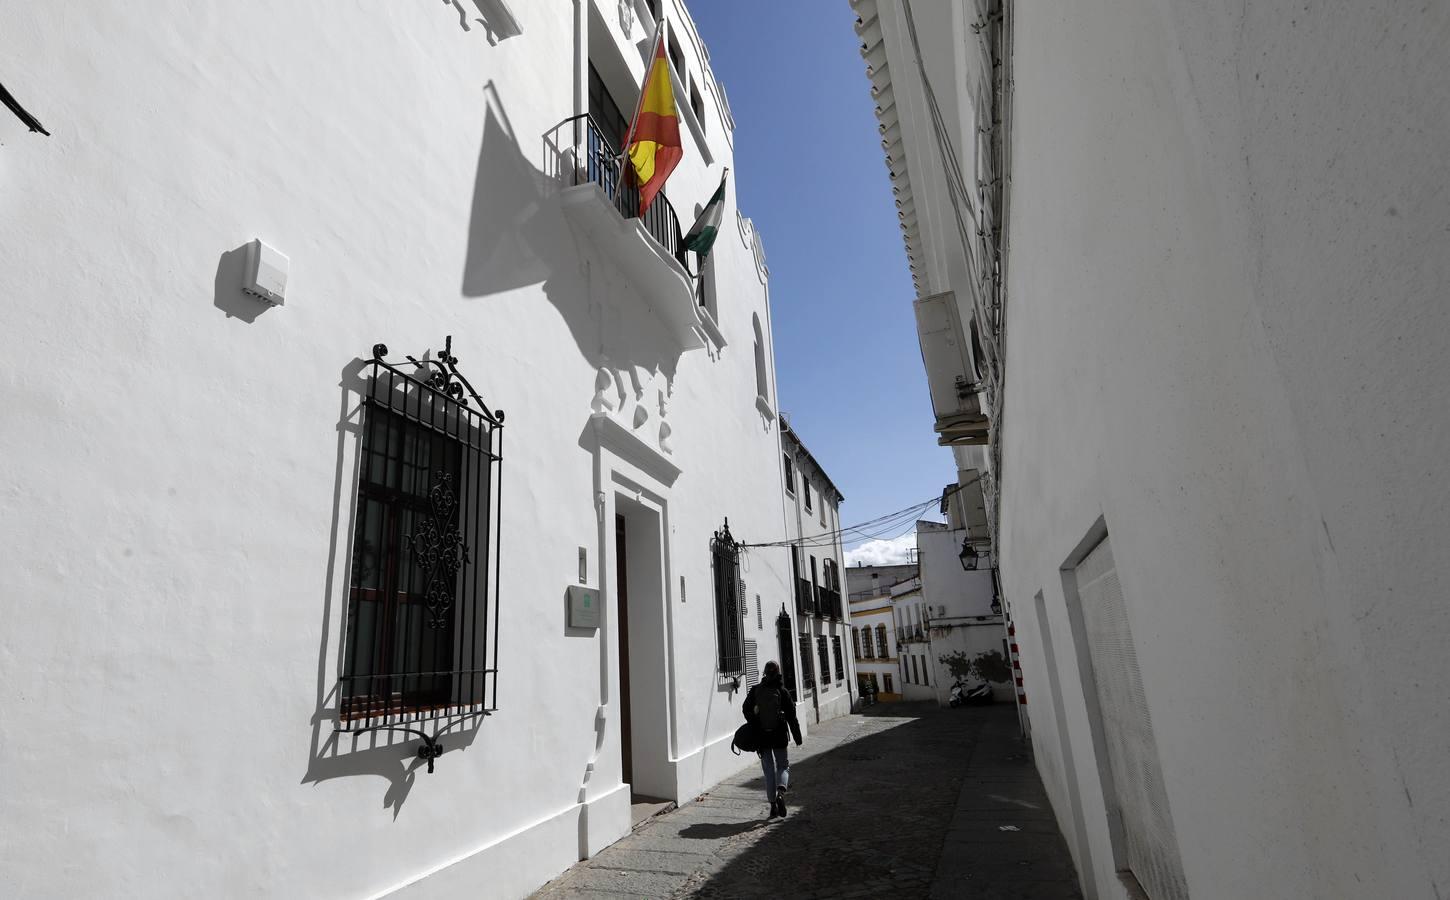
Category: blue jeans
<point>776,764</point>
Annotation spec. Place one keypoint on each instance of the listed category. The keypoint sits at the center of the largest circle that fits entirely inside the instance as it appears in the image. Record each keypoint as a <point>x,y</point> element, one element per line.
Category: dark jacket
<point>777,738</point>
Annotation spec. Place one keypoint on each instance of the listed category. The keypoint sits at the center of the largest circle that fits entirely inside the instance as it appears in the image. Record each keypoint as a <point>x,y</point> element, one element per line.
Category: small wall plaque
<point>583,606</point>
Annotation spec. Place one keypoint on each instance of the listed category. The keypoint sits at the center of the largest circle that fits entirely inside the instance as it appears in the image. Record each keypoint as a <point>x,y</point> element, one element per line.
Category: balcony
<point>829,603</point>
<point>805,599</point>
<point>598,194</point>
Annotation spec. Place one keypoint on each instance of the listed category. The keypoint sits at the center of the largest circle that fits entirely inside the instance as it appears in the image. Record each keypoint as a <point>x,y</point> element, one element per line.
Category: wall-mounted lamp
<point>968,556</point>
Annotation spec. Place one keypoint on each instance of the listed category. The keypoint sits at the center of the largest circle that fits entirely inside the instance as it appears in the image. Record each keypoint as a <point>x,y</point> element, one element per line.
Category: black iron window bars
<point>421,632</point>
<point>726,557</point>
<point>808,675</point>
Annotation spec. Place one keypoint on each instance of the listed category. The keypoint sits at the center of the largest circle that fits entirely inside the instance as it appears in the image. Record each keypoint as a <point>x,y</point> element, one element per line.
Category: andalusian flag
<point>702,234</point>
<point>654,136</point>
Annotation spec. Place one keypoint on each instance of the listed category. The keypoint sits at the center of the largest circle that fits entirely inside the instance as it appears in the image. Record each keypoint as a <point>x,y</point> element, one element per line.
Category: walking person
<point>770,709</point>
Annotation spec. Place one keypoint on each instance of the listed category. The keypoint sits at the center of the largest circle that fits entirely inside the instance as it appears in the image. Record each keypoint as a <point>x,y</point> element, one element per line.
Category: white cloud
<point>883,553</point>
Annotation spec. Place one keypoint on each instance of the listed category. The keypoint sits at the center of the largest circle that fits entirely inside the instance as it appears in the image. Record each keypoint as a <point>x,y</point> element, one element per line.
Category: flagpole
<point>654,47</point>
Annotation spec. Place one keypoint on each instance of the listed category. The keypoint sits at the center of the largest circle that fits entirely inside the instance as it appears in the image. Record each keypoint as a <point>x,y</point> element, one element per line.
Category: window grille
<point>882,650</point>
<point>808,675</point>
<point>856,642</point>
<point>726,555</point>
<point>759,616</point>
<point>836,654</point>
<point>825,669</point>
<point>783,633</point>
<point>421,641</point>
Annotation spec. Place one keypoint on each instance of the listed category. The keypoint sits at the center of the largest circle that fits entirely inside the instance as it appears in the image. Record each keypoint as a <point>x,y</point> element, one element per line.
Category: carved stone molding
<point>633,397</point>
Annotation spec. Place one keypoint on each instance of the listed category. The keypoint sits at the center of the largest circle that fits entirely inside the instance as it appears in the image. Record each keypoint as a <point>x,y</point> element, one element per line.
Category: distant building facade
<point>964,625</point>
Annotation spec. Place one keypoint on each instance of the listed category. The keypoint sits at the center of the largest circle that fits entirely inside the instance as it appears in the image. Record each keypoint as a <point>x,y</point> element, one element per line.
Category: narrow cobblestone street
<point>906,800</point>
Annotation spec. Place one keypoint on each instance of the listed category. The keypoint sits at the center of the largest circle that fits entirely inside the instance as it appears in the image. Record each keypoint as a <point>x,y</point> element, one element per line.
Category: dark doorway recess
<point>622,606</point>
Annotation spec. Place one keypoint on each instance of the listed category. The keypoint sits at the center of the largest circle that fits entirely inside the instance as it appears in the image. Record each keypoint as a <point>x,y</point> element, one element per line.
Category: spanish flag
<point>654,144</point>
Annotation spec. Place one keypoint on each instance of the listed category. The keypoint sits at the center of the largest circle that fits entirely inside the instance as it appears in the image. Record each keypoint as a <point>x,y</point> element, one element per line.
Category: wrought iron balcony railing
<point>805,599</point>
<point>581,154</point>
<point>829,603</point>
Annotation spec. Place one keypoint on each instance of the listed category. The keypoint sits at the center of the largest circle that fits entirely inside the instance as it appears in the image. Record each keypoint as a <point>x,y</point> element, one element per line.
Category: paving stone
<point>882,806</point>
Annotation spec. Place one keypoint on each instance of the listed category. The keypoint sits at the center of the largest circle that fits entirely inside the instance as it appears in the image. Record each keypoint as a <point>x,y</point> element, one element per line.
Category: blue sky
<point>811,173</point>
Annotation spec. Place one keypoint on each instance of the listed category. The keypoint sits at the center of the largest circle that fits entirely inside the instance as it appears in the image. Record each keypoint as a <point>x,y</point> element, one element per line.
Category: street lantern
<point>968,556</point>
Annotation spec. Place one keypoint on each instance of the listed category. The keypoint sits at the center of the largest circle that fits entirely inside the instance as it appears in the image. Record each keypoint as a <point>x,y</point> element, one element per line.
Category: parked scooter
<point>976,695</point>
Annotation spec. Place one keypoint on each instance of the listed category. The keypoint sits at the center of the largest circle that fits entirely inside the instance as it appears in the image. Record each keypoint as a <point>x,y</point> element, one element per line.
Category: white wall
<point>960,605</point>
<point>179,461</point>
<point>1227,346</point>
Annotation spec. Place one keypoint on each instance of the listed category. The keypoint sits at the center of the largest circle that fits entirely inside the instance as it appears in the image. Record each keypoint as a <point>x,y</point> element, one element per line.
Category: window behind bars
<point>419,635</point>
<point>728,593</point>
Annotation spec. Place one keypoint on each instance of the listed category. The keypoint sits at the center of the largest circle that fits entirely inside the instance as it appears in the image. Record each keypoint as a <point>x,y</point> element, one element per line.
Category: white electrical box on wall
<point>265,276</point>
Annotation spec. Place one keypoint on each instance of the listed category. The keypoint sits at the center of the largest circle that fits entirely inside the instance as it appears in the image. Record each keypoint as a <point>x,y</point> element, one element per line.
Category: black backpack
<point>767,708</point>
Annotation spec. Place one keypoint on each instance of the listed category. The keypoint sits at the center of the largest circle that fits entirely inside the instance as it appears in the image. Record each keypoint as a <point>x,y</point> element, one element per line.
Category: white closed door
<point>1137,797</point>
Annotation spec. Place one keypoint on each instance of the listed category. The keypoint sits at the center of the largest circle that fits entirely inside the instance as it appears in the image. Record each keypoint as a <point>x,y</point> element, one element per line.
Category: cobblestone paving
<point>904,801</point>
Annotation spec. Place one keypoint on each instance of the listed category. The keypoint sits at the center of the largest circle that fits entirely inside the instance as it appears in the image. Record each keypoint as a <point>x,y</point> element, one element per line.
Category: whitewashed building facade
<point>1180,271</point>
<point>262,555</point>
<point>823,676</point>
<point>964,626</point>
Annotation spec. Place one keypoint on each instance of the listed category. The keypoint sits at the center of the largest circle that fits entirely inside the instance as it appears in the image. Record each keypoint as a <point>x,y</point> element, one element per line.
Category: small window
<point>705,294</point>
<point>806,492</point>
<point>729,639</point>
<point>883,651</point>
<point>762,385</point>
<point>759,616</point>
<point>976,349</point>
<point>887,676</point>
<point>677,56</point>
<point>824,504</point>
<point>856,643</point>
<point>866,649</point>
<point>808,676</point>
<point>697,104</point>
<point>825,658</point>
<point>789,474</point>
<point>836,655</point>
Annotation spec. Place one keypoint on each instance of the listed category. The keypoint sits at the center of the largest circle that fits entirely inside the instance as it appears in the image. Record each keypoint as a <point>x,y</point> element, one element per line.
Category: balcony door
<point>605,112</point>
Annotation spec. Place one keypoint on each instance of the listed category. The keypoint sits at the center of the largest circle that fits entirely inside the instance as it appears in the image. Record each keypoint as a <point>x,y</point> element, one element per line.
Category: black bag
<point>767,709</point>
<point>746,738</point>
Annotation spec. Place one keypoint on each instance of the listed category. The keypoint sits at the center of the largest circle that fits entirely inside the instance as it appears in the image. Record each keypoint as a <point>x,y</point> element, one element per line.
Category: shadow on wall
<point>518,236</point>
<point>391,755</point>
